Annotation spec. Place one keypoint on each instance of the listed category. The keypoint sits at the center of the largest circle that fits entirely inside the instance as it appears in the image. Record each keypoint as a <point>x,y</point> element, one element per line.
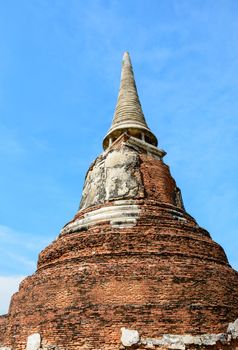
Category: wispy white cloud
<point>23,260</point>
<point>8,286</point>
<point>14,237</point>
<point>19,251</point>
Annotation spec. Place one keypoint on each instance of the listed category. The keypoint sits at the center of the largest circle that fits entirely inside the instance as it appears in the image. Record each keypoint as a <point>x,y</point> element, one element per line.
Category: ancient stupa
<point>132,269</point>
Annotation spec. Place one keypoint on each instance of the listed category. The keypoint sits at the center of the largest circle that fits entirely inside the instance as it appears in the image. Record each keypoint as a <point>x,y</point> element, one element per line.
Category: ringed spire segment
<point>128,116</point>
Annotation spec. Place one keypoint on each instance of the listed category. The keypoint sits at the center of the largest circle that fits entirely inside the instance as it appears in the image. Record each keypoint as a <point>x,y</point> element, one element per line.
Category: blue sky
<point>60,67</point>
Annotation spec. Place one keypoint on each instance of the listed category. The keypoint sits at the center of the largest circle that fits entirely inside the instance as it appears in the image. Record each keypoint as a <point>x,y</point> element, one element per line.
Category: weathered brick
<point>162,275</point>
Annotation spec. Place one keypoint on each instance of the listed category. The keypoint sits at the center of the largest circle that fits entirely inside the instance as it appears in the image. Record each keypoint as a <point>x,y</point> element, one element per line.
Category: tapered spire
<point>128,116</point>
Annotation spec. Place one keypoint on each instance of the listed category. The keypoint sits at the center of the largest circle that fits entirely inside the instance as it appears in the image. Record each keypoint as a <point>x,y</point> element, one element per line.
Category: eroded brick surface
<point>3,324</point>
<point>159,273</point>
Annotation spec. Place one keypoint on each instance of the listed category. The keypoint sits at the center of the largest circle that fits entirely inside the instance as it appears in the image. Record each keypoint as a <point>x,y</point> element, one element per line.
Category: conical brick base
<point>132,257</point>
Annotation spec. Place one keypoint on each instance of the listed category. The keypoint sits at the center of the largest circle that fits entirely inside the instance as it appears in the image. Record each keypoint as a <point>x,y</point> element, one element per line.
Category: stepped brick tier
<point>133,269</point>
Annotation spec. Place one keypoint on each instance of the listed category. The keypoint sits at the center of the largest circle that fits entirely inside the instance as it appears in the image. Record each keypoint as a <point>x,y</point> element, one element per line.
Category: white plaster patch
<point>119,215</point>
<point>188,339</point>
<point>179,342</point>
<point>33,342</point>
<point>94,185</point>
<point>120,180</point>
<point>148,148</point>
<point>233,329</point>
<point>119,158</point>
<point>114,175</point>
<point>129,337</point>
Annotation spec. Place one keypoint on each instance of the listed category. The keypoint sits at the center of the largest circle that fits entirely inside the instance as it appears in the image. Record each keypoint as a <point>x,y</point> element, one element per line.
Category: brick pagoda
<point>132,270</point>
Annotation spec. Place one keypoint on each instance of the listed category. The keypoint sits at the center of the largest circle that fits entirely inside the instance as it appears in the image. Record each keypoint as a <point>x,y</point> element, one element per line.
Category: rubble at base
<point>130,339</point>
<point>229,340</point>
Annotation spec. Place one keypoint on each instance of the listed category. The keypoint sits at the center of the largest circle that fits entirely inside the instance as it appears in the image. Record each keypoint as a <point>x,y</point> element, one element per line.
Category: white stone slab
<point>33,342</point>
<point>129,337</point>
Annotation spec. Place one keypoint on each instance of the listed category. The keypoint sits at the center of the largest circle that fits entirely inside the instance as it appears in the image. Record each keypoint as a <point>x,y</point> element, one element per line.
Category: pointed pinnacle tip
<point>126,58</point>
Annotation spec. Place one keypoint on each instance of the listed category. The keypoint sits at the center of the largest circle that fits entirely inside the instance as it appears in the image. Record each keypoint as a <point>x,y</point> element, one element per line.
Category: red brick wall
<point>164,275</point>
<point>158,277</point>
<point>158,183</point>
<point>3,321</point>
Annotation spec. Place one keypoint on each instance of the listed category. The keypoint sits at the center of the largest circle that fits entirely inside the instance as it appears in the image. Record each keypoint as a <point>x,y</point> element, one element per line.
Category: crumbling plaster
<point>114,175</point>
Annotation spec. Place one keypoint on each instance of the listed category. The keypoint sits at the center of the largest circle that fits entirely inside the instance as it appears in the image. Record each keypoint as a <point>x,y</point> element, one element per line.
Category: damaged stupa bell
<point>131,260</point>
